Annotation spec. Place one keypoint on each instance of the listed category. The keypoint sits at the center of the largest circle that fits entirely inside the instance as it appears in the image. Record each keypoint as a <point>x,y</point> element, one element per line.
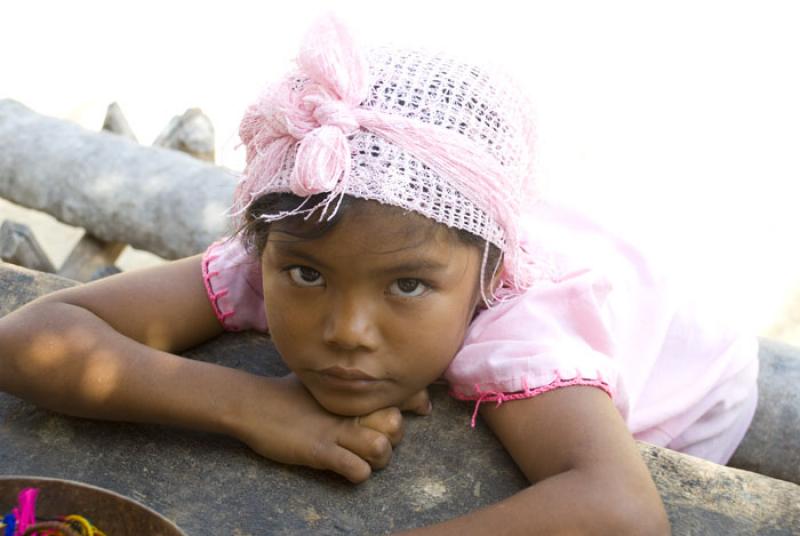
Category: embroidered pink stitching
<point>220,294</point>
<point>215,296</point>
<point>501,397</point>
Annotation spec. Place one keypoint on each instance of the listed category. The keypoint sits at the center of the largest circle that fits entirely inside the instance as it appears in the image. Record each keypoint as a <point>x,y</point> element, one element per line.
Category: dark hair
<point>254,232</point>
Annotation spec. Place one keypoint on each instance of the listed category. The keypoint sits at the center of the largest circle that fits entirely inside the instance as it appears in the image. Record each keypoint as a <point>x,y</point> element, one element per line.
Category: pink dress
<point>680,375</point>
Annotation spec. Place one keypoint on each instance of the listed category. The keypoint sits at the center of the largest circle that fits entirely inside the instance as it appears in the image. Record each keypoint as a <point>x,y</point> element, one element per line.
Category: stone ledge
<point>194,478</point>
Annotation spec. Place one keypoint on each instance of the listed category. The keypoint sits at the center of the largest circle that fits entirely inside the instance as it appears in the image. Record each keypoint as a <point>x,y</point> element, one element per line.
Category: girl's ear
<point>495,282</point>
<point>497,276</point>
<point>491,286</point>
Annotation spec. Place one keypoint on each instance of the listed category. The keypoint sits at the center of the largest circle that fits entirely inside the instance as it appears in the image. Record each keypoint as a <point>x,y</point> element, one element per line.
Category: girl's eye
<point>408,288</point>
<point>304,276</point>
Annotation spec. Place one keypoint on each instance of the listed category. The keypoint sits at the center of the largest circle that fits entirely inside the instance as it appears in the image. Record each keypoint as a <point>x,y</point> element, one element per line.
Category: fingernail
<point>429,408</point>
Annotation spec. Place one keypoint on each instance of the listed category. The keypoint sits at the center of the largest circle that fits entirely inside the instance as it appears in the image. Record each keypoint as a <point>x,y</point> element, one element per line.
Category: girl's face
<point>372,311</point>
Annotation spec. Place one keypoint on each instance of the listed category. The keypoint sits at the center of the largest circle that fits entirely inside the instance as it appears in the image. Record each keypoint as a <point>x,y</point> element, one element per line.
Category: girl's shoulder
<point>232,277</point>
<point>610,315</point>
<point>565,239</point>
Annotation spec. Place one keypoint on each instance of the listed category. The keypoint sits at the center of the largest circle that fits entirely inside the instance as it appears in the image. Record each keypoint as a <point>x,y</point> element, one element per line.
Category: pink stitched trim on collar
<point>500,397</point>
<point>214,297</point>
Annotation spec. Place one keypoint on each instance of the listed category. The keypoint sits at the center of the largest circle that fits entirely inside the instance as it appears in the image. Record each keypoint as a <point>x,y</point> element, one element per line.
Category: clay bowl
<point>111,512</point>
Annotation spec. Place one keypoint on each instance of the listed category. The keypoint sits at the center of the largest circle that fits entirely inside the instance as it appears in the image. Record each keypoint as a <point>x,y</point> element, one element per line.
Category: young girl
<point>391,236</point>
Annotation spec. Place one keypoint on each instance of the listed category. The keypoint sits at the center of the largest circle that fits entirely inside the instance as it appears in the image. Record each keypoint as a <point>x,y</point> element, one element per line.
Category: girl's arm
<point>587,474</point>
<point>104,350</point>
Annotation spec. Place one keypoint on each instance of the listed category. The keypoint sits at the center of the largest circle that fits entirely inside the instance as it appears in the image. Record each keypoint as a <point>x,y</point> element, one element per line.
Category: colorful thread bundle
<point>22,521</point>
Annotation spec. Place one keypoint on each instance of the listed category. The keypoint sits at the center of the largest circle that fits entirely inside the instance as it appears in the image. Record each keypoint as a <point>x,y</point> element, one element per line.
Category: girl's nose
<point>350,325</point>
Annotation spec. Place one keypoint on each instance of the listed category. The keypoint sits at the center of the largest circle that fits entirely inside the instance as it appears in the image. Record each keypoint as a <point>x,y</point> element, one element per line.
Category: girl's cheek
<point>278,315</point>
<point>292,326</point>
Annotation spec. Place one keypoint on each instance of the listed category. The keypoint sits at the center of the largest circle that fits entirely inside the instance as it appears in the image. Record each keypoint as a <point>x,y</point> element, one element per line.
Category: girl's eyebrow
<point>414,266</point>
<point>411,266</point>
<point>286,248</point>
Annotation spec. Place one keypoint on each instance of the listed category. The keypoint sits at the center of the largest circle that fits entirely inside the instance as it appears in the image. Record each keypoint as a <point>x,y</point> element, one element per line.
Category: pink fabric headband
<point>298,138</point>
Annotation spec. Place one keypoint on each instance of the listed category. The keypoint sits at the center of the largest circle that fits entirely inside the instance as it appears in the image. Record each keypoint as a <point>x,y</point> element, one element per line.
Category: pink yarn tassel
<point>322,160</point>
<point>330,57</point>
<point>26,513</point>
<point>318,115</point>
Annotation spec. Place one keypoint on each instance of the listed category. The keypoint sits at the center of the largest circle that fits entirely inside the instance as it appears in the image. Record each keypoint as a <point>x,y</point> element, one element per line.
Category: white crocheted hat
<point>416,130</point>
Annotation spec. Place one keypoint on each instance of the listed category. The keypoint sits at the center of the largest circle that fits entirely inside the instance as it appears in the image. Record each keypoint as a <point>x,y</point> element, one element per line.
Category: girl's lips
<point>347,379</point>
<point>350,374</point>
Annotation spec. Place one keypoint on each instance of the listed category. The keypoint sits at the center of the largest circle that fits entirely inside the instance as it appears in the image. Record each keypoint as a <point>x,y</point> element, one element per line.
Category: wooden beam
<point>154,199</point>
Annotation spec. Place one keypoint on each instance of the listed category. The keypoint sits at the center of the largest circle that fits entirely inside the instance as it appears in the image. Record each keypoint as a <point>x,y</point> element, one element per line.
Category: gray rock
<point>772,444</point>
<point>210,484</point>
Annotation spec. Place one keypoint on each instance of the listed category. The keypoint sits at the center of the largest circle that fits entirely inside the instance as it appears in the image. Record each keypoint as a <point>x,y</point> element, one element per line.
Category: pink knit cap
<point>442,138</point>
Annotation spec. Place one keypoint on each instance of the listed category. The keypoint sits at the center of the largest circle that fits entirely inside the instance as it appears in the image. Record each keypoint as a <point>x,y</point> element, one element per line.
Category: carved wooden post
<point>89,256</point>
<point>116,122</point>
<point>19,246</point>
<point>191,133</point>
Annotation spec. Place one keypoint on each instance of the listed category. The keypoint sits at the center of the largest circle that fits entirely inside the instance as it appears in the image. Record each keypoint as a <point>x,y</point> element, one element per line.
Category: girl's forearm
<point>64,358</point>
<point>572,502</point>
<point>67,359</point>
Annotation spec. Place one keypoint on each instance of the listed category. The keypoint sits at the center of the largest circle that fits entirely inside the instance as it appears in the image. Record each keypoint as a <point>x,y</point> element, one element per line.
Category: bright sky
<point>681,116</point>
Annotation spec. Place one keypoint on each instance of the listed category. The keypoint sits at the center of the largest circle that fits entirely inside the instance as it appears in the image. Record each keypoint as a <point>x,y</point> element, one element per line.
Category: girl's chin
<point>352,405</point>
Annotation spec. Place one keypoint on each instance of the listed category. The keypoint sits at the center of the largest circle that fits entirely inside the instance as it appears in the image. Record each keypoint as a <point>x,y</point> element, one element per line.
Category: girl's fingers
<point>420,403</point>
<point>370,445</point>
<point>365,443</point>
<point>387,421</point>
<point>343,461</point>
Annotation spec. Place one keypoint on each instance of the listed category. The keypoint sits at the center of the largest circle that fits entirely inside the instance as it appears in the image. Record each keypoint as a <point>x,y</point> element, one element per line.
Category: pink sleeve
<point>558,334</point>
<point>233,283</point>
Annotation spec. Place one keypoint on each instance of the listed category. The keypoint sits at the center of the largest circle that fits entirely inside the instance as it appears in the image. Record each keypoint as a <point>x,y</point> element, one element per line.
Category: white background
<point>678,120</point>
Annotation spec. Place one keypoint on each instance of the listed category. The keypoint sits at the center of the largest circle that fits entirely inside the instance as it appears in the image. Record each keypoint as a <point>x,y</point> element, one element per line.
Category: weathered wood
<point>116,122</point>
<point>213,485</point>
<point>91,255</point>
<point>88,256</point>
<point>152,198</point>
<point>191,133</point>
<point>18,245</point>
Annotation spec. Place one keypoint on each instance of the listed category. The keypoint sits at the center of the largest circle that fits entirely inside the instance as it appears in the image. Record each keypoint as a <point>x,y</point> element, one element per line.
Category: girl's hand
<point>279,419</point>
